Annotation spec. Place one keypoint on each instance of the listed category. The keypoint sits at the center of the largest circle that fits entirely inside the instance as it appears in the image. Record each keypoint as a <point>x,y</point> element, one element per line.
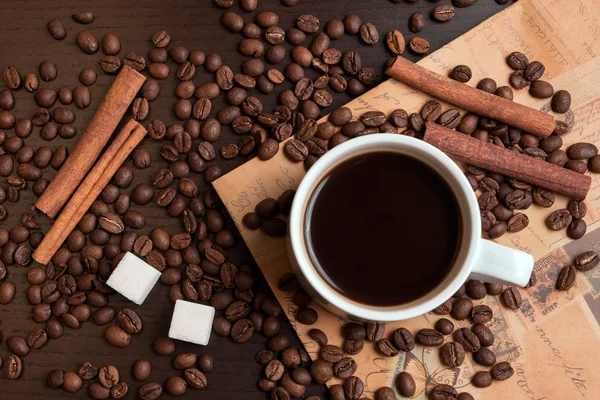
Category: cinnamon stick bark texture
<point>472,99</point>
<point>91,143</point>
<point>488,156</point>
<point>118,151</point>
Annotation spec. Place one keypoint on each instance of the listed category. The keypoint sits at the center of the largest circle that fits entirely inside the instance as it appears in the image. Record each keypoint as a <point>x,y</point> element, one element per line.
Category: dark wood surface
<point>25,42</point>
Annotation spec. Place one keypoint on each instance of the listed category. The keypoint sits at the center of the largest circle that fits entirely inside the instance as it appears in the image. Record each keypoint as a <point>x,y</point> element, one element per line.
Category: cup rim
<point>406,145</point>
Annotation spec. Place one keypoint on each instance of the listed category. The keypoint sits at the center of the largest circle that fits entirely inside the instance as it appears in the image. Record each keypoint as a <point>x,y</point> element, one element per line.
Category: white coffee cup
<point>476,258</point>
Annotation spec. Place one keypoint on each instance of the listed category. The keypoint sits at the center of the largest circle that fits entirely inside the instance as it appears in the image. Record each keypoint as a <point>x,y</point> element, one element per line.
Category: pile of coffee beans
<point>194,264</point>
<point>104,382</point>
<point>265,214</point>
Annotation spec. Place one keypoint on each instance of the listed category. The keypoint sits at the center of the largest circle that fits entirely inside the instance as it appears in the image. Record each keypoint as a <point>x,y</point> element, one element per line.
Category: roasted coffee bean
<point>369,34</point>
<point>56,29</point>
<point>502,371</point>
<point>582,151</point>
<point>566,278</point>
<point>11,77</point>
<point>387,348</point>
<point>534,71</point>
<point>111,64</point>
<point>48,71</point>
<point>518,80</point>
<point>586,261</point>
<point>517,61</point>
<point>445,326</point>
<point>467,339</point>
<point>150,391</point>
<point>461,73</point>
<point>111,45</point>
<point>511,297</point>
<point>485,357</point>
<point>419,45</point>
<point>481,379</point>
<point>559,219</point>
<point>484,334</point>
<point>141,370</point>
<point>461,308</point>
<point>429,337</point>
<point>417,22</point>
<point>55,379</point>
<point>561,102</point>
<point>452,354</point>
<point>87,42</point>
<point>443,13</point>
<point>541,89</point>
<point>195,378</point>
<point>345,368</point>
<point>108,376</point>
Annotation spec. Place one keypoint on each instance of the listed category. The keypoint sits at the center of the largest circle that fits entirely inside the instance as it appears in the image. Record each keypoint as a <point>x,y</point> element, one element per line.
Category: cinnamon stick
<point>472,99</point>
<point>525,168</point>
<point>118,151</point>
<point>90,145</point>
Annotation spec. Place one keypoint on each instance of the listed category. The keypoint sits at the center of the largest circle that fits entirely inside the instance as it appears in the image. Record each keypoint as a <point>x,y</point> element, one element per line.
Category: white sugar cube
<point>133,278</point>
<point>191,322</point>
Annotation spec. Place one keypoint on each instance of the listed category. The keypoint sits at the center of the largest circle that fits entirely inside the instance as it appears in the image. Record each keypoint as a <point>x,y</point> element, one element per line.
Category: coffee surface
<point>383,229</point>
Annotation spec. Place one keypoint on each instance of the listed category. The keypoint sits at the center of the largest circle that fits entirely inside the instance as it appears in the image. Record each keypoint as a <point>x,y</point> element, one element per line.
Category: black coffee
<point>383,229</point>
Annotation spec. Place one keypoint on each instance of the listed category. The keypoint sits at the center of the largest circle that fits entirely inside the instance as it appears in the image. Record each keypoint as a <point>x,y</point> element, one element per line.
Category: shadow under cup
<point>334,294</point>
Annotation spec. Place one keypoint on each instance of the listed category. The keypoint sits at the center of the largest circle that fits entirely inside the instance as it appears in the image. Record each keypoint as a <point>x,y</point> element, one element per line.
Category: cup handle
<point>500,264</point>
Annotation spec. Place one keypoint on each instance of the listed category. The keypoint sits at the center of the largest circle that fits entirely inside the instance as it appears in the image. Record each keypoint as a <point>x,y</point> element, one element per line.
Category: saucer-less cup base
<point>476,258</point>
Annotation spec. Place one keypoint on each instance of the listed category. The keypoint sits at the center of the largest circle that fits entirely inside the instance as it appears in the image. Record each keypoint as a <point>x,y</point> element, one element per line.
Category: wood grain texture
<point>25,42</point>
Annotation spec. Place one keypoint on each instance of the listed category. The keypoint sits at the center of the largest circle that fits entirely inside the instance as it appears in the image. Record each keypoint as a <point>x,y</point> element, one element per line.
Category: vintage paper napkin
<point>553,342</point>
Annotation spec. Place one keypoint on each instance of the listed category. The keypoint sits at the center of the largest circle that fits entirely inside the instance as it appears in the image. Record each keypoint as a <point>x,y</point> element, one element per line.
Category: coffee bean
<point>419,45</point>
<point>461,308</point>
<point>417,22</point>
<point>566,278</point>
<point>345,368</point>
<point>87,42</point>
<point>534,71</point>
<point>117,337</point>
<point>384,393</point>
<point>108,376</point>
<point>443,13</point>
<point>110,64</point>
<point>559,219</point>
<point>511,297</point>
<point>353,387</point>
<point>582,151</point>
<point>150,391</point>
<point>468,340</point>
<point>47,70</point>
<point>111,45</point>
<point>452,354</point>
<point>12,78</point>
<point>482,379</point>
<point>502,371</point>
<point>56,29</point>
<point>561,101</point>
<point>586,261</point>
<point>541,89</point>
<point>461,73</point>
<point>295,150</point>
<point>395,42</point>
<point>71,382</point>
<point>517,61</point>
<point>485,357</point>
<point>195,378</point>
<point>158,55</point>
<point>82,96</point>
<point>481,314</point>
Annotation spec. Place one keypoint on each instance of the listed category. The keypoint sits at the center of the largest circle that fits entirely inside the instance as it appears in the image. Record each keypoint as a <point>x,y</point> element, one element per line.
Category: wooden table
<point>25,42</point>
